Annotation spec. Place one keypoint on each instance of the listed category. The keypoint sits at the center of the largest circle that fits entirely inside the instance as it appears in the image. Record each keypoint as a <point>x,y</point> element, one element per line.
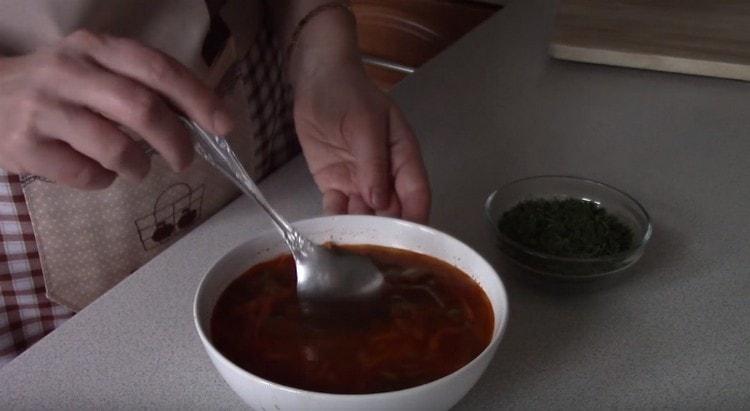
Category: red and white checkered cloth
<point>26,314</point>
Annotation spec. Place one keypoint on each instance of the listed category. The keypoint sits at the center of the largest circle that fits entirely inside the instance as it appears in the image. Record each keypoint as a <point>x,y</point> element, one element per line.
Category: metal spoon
<point>323,274</point>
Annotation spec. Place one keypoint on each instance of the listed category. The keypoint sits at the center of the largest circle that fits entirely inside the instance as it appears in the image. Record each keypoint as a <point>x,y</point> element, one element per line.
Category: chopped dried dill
<point>566,228</point>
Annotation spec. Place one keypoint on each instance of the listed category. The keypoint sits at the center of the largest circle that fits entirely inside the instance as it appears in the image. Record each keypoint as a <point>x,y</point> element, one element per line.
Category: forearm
<point>328,38</point>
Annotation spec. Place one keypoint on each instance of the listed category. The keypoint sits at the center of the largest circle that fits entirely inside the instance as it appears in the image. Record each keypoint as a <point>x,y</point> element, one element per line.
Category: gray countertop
<point>674,332</point>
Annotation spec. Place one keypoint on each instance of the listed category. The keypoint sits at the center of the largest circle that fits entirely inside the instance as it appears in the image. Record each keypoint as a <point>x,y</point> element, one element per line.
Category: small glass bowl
<point>616,202</point>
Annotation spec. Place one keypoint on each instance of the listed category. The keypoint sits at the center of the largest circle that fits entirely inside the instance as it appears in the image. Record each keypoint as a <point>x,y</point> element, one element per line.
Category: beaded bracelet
<point>334,5</point>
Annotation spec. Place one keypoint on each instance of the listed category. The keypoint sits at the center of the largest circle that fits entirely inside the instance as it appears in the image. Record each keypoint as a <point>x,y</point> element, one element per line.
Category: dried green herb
<point>566,228</point>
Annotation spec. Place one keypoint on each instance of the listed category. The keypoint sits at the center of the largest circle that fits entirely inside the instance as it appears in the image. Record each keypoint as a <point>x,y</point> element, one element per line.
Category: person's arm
<point>361,151</point>
<point>330,35</point>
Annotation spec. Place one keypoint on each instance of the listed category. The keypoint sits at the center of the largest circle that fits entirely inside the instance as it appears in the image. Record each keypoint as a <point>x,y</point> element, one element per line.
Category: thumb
<point>369,142</point>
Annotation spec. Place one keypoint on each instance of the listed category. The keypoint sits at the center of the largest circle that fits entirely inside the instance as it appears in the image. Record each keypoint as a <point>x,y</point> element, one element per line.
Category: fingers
<point>411,182</point>
<point>369,143</point>
<point>393,209</point>
<point>132,105</point>
<point>57,161</point>
<point>414,196</point>
<point>96,138</point>
<point>347,180</point>
<point>335,202</point>
<point>101,88</point>
<point>159,72</point>
<point>357,205</point>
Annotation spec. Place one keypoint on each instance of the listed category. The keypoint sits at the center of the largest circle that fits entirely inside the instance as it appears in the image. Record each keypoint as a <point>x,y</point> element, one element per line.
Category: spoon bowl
<point>332,274</point>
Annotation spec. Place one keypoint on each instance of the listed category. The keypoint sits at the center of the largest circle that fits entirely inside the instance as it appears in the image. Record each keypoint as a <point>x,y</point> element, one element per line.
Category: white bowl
<point>440,394</point>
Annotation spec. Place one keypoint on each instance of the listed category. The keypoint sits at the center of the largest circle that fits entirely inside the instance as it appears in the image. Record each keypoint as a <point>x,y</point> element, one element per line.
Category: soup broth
<point>432,320</point>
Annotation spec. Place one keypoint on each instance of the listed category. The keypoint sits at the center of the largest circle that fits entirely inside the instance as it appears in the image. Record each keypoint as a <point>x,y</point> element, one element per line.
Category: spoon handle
<point>218,153</point>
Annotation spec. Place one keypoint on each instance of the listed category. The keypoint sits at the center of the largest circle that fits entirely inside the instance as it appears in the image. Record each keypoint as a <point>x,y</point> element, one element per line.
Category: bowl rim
<point>494,341</point>
<point>643,240</point>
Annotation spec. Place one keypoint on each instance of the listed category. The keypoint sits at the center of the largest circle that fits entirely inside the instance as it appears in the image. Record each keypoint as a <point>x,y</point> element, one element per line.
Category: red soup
<point>433,319</point>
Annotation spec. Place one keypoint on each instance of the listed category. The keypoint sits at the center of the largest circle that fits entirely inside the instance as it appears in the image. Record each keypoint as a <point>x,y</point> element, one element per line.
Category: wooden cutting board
<point>704,37</point>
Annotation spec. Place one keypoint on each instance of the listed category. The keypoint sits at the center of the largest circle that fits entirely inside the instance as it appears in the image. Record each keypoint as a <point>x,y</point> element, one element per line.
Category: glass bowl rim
<point>643,240</point>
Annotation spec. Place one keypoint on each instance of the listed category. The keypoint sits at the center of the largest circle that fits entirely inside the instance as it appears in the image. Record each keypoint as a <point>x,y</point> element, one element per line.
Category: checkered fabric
<point>26,315</point>
<point>260,72</point>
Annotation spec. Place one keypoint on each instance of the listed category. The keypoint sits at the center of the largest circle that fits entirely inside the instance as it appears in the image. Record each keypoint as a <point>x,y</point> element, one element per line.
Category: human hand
<point>63,110</point>
<point>362,153</point>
